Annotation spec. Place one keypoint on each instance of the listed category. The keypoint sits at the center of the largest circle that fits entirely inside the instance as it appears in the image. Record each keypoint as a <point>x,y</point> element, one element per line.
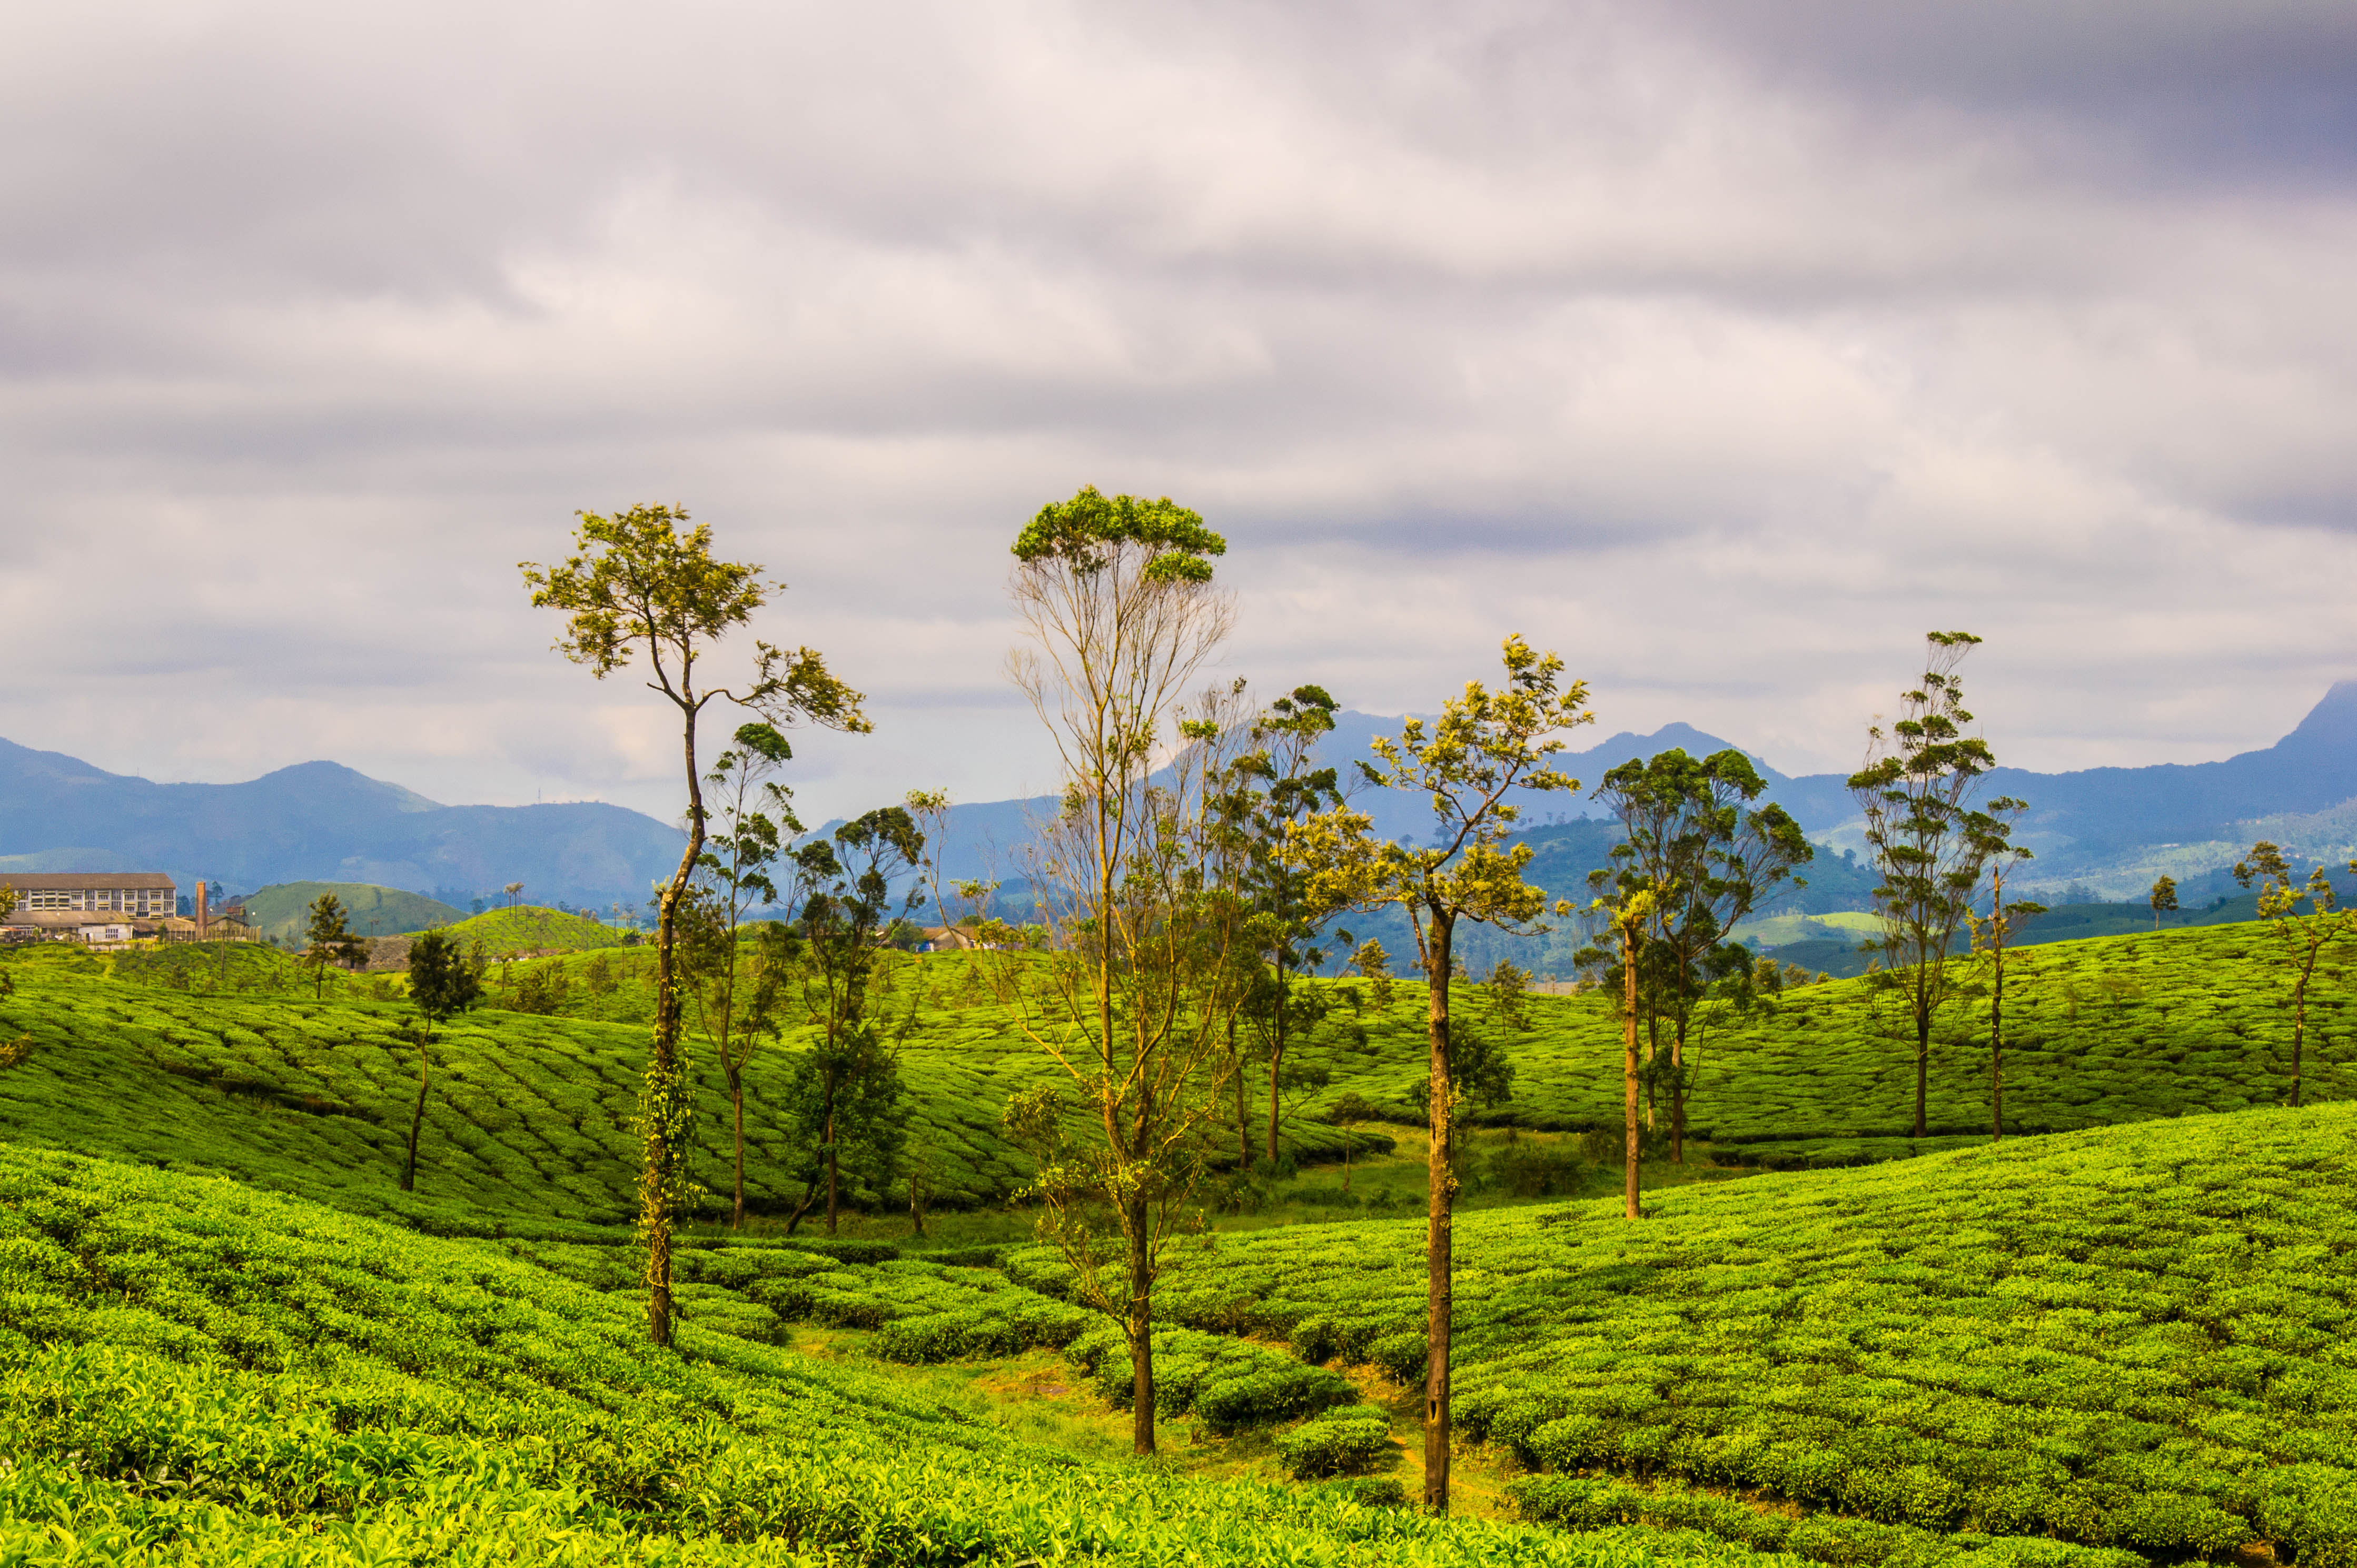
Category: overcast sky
<point>1726,347</point>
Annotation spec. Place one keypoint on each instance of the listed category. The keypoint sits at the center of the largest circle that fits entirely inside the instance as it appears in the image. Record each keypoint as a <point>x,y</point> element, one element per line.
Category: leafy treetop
<point>1092,530</point>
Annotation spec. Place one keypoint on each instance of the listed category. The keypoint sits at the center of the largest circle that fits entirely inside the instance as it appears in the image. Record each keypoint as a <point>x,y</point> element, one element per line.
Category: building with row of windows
<point>112,909</point>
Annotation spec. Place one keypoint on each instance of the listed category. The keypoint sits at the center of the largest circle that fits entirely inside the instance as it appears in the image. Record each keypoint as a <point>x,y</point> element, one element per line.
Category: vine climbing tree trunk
<point>1440,1221</point>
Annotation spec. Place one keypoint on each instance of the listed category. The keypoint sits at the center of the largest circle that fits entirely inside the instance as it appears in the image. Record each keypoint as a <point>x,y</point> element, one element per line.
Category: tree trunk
<point>1996,1037</point>
<point>736,1101</point>
<point>810,1195</point>
<point>1243,1120</point>
<point>834,1175</point>
<point>1652,1061</point>
<point>417,1121</point>
<point>1633,1140</point>
<point>664,1106</point>
<point>1922,1063</point>
<point>1275,1060</point>
<point>1678,1094</point>
<point>1439,1229</point>
<point>2299,1030</point>
<point>1141,1332</point>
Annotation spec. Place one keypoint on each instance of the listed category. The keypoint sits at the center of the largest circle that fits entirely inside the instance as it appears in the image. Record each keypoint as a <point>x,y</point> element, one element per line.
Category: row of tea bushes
<point>194,1373</point>
<point>2125,1338</point>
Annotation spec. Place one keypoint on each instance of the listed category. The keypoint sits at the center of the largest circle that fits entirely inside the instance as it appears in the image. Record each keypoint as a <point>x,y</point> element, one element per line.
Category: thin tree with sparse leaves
<point>1925,840</point>
<point>2305,937</point>
<point>1131,998</point>
<point>1993,939</point>
<point>1485,746</point>
<point>641,583</point>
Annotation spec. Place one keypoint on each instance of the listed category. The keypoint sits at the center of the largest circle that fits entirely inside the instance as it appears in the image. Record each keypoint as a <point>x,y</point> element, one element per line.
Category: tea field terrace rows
<point>2142,1338</point>
<point>195,1373</point>
<point>528,1116</point>
<point>2098,1032</point>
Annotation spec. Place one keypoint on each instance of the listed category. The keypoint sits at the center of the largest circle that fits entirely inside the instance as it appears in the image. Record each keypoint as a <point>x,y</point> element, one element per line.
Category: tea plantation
<point>2143,1338</point>
<point>2096,1349</point>
<point>194,1373</point>
<point>2099,1032</point>
<point>138,1058</point>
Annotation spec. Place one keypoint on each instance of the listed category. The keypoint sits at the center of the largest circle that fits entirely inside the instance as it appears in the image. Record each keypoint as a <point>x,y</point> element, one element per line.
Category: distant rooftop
<point>69,881</point>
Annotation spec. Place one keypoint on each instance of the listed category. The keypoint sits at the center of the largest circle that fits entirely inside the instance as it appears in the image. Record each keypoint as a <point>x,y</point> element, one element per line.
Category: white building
<point>104,908</point>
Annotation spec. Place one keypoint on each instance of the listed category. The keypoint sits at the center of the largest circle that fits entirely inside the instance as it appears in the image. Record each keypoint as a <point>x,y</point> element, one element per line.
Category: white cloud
<point>1726,359</point>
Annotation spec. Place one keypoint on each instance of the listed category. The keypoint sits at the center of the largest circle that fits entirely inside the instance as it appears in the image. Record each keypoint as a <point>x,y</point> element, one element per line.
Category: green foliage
<point>204,1377</point>
<point>1348,1440</point>
<point>1600,1503</point>
<point>280,911</point>
<point>528,928</point>
<point>1230,1383</point>
<point>2124,1339</point>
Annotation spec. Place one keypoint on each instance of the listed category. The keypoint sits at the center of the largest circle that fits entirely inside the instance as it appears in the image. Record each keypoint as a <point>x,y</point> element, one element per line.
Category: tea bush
<point>1350,1440</point>
<point>528,1124</point>
<point>1231,1384</point>
<point>2142,1338</point>
<point>194,1373</point>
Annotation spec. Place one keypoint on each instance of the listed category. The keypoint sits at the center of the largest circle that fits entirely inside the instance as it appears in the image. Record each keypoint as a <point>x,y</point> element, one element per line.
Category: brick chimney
<point>200,906</point>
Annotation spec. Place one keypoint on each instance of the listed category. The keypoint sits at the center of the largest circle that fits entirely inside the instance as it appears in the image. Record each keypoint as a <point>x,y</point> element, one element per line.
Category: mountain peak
<point>2331,722</point>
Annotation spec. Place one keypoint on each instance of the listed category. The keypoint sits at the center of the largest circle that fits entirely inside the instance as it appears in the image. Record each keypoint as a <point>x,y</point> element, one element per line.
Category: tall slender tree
<point>1691,833</point>
<point>841,893</point>
<point>1131,999</point>
<point>643,584</point>
<point>1626,903</point>
<point>442,985</point>
<point>1485,746</point>
<point>1927,844</point>
<point>1993,939</point>
<point>2163,900</point>
<point>2304,937</point>
<point>1274,785</point>
<point>757,817</point>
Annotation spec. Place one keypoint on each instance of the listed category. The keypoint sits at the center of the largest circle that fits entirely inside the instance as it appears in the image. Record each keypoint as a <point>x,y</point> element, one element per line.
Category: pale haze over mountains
<point>2110,829</point>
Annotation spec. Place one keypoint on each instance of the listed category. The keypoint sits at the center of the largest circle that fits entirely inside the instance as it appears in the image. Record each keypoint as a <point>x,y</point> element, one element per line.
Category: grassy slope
<point>2119,1337</point>
<point>194,1373</point>
<point>2144,1337</point>
<point>284,909</point>
<point>530,1115</point>
<point>2098,1032</point>
<point>1828,942</point>
<point>531,929</point>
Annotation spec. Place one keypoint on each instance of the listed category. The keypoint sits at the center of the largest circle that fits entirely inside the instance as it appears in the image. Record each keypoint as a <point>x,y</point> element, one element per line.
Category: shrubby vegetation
<point>2138,1338</point>
<point>195,1373</point>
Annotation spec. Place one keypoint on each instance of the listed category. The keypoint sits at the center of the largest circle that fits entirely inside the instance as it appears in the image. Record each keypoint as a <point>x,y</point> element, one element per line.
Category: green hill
<point>211,1055</point>
<point>193,1373</point>
<point>2142,1338</point>
<point>2098,1032</point>
<point>283,912</point>
<point>529,1119</point>
<point>2089,1350</point>
<point>530,928</point>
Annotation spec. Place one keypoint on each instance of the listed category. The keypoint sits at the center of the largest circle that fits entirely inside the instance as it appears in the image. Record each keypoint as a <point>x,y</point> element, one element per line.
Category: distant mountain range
<point>2107,831</point>
<point>320,821</point>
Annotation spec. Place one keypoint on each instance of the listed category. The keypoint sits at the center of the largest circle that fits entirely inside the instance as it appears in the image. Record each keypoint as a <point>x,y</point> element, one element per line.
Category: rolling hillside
<point>2105,1348</point>
<point>283,912</point>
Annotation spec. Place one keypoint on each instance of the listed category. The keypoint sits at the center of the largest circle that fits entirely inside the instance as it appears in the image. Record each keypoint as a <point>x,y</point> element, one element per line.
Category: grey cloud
<point>1724,346</point>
